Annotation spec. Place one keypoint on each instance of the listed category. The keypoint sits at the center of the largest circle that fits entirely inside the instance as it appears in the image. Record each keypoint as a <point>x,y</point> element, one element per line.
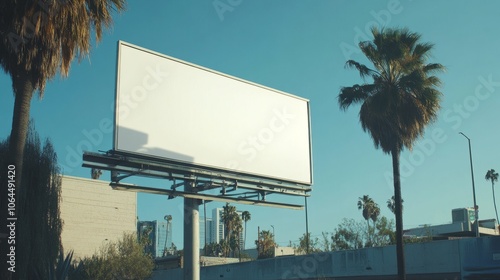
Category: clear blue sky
<point>300,47</point>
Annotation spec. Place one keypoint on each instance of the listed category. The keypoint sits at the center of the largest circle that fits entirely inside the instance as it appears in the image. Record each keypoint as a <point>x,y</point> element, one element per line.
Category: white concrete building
<point>462,225</point>
<point>93,214</point>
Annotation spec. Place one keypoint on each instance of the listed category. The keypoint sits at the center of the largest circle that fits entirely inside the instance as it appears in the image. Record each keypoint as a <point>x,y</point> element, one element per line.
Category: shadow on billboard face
<point>136,142</point>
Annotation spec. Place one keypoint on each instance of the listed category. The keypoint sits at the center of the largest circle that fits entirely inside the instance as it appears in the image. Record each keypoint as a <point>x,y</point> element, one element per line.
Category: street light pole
<point>473,187</point>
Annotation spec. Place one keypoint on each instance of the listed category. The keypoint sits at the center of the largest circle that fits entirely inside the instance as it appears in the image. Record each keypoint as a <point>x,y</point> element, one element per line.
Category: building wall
<point>462,226</point>
<point>93,214</point>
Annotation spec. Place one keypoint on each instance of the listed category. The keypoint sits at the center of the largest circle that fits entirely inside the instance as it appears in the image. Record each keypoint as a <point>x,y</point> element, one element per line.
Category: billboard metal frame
<point>232,188</point>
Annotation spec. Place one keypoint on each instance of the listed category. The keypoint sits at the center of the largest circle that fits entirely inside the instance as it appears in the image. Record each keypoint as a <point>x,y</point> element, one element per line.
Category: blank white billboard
<point>171,109</point>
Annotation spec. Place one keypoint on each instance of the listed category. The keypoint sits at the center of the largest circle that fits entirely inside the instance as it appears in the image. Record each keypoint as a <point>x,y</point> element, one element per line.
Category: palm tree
<point>265,244</point>
<point>375,213</point>
<point>391,204</point>
<point>40,39</point>
<point>245,215</point>
<point>397,105</point>
<point>366,203</point>
<point>493,177</point>
<point>232,226</point>
<point>235,237</point>
<point>227,220</point>
<point>371,210</point>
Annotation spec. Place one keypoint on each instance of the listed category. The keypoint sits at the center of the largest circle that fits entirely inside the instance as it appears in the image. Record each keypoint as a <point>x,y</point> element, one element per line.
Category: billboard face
<point>185,113</point>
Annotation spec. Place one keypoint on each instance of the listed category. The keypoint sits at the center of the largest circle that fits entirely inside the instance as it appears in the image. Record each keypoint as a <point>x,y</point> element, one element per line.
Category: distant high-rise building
<point>208,231</point>
<point>217,225</point>
<point>160,236</point>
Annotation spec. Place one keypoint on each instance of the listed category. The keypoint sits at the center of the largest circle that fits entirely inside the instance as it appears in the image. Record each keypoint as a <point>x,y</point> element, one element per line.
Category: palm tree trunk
<point>494,200</point>
<point>239,247</point>
<point>373,234</point>
<point>245,239</point>
<point>368,232</point>
<point>23,89</point>
<point>399,215</point>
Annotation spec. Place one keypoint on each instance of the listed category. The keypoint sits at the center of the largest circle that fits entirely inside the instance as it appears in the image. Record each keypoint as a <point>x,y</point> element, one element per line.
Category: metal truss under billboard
<point>207,185</point>
<point>174,110</point>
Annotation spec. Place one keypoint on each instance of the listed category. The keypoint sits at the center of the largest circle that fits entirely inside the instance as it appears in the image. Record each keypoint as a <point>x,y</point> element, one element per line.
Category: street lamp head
<point>464,135</point>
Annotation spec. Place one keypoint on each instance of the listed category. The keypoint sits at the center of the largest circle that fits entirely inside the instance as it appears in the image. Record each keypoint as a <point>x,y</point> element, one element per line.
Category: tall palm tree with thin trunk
<point>232,223</point>
<point>492,176</point>
<point>246,216</point>
<point>236,237</point>
<point>371,211</point>
<point>375,213</point>
<point>374,218</point>
<point>397,104</point>
<point>39,39</point>
<point>366,204</point>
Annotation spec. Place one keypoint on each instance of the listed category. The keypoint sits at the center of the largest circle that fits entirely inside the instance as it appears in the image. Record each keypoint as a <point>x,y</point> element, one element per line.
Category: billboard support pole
<point>191,268</point>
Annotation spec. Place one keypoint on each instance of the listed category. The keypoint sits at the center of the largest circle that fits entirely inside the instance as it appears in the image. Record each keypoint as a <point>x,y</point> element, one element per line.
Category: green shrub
<point>121,260</point>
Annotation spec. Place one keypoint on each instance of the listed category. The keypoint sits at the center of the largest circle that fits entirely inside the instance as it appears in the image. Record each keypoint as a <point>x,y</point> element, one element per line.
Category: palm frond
<point>354,94</point>
<point>61,31</point>
<point>433,68</point>
<point>422,50</point>
<point>363,70</point>
<point>491,175</point>
<point>383,132</point>
<point>371,52</point>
